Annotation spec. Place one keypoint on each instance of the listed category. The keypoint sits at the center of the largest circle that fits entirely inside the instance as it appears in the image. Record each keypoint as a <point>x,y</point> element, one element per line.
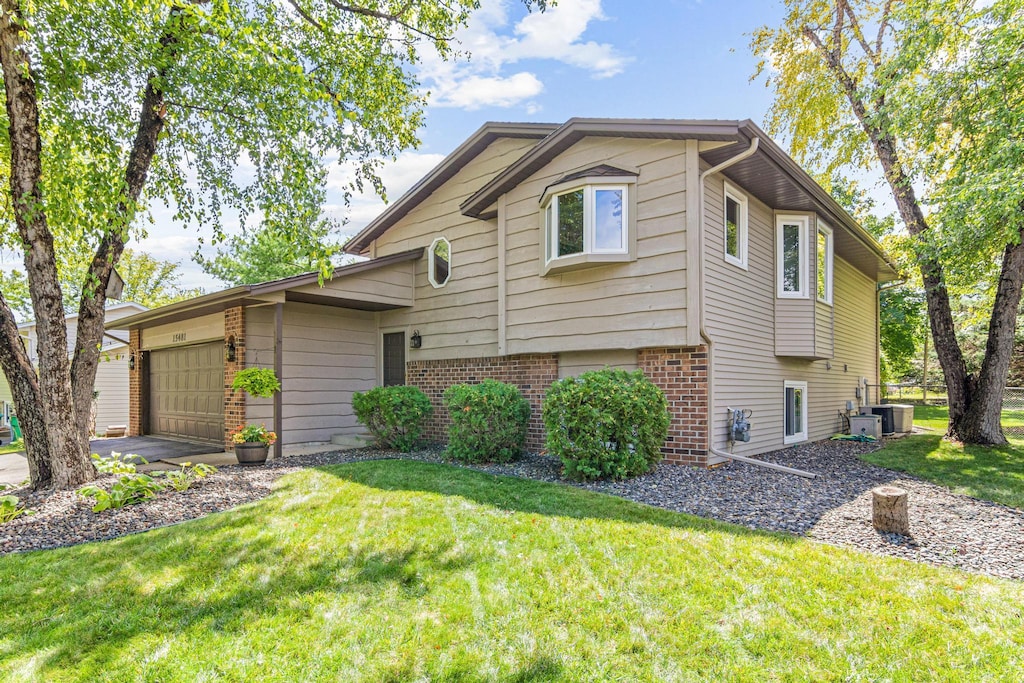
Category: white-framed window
<point>735,215</point>
<point>439,262</point>
<point>791,256</point>
<point>795,396</point>
<point>592,219</point>
<point>823,263</point>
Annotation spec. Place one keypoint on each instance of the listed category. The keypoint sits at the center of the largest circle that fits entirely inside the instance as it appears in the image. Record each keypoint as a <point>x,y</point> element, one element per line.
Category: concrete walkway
<point>162,454</point>
<point>13,469</point>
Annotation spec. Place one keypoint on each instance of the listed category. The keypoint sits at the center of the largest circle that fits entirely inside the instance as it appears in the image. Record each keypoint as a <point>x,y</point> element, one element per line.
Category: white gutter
<point>707,337</point>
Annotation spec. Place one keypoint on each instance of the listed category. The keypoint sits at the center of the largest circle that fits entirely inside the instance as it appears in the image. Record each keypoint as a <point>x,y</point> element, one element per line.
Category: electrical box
<point>870,425</point>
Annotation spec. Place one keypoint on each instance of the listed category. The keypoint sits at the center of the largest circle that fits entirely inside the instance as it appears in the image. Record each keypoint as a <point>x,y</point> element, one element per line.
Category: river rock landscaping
<point>834,508</point>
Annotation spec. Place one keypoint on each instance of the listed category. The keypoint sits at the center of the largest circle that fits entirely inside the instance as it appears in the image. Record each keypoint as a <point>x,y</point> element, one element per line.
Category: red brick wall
<point>682,374</point>
<point>135,426</point>
<point>533,374</point>
<point>234,401</point>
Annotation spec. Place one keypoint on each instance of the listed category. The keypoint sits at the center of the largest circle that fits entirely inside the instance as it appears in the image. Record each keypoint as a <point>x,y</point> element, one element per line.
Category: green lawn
<point>398,570</point>
<point>995,474</point>
<point>12,448</point>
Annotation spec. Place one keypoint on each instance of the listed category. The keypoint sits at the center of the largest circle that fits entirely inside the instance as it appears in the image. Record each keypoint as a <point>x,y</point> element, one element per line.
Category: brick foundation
<point>234,401</point>
<point>682,374</point>
<point>533,374</point>
<point>135,426</point>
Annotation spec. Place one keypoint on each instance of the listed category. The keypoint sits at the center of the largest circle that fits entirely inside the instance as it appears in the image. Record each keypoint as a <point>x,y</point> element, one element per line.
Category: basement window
<point>795,412</point>
<point>587,222</point>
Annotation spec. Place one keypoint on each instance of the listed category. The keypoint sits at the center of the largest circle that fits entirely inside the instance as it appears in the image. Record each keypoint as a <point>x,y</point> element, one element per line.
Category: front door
<point>394,359</point>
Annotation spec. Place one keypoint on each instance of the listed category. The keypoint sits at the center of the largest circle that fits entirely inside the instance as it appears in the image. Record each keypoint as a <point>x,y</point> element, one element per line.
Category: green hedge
<point>606,424</point>
<point>489,421</point>
<point>394,415</point>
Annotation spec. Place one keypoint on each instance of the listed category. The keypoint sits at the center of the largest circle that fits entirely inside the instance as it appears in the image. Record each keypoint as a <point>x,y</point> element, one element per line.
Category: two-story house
<point>696,251</point>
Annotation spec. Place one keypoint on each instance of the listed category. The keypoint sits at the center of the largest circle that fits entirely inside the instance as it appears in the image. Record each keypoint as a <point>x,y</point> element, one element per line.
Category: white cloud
<point>474,92</point>
<point>494,43</point>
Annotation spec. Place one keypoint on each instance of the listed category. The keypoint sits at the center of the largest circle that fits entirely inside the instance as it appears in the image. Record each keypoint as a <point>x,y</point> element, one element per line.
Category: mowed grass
<point>398,570</point>
<point>995,474</point>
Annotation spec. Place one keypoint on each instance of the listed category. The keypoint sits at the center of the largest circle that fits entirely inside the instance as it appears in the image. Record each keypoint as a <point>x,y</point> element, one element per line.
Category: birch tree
<point>113,105</point>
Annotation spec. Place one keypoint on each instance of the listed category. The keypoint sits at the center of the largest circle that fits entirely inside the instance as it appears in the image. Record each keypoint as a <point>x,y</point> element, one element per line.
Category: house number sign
<point>178,337</point>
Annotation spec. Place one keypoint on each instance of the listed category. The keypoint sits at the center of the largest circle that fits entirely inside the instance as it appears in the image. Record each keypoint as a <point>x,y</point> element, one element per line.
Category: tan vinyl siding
<point>794,328</point>
<point>740,307</point>
<point>621,305</point>
<point>572,364</point>
<point>112,383</point>
<point>391,285</point>
<point>459,320</point>
<point>329,353</point>
<point>202,329</point>
<point>824,326</point>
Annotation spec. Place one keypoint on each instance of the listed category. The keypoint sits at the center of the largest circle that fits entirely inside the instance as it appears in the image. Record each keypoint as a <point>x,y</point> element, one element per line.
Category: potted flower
<point>252,443</point>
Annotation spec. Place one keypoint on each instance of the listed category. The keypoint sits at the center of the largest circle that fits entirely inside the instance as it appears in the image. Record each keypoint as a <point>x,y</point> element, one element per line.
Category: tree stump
<point>889,510</point>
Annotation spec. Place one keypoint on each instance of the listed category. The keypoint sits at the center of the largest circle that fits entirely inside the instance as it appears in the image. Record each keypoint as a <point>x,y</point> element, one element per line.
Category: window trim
<point>800,436</point>
<point>430,263</point>
<point>824,229</point>
<point>590,254</point>
<point>803,222</point>
<point>732,192</point>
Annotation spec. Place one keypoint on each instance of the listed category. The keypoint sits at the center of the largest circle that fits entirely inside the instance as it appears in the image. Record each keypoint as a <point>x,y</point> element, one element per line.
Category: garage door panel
<point>187,392</point>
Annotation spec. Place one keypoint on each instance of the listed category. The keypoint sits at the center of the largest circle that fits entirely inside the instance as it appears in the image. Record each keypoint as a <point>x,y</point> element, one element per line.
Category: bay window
<point>587,223</point>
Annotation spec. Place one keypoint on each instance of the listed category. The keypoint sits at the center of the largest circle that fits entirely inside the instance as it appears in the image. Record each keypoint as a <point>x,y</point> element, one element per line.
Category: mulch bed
<point>947,528</point>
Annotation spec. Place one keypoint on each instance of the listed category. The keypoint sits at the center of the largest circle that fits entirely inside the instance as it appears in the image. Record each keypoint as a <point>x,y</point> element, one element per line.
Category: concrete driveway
<point>151,448</point>
<point>14,466</point>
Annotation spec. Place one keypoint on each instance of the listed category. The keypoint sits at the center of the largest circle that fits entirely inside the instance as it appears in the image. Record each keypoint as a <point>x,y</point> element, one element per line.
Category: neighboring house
<point>111,374</point>
<point>696,251</point>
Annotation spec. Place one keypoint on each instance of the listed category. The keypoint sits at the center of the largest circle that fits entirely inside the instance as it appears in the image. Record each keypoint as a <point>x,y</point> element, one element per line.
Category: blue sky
<point>607,58</point>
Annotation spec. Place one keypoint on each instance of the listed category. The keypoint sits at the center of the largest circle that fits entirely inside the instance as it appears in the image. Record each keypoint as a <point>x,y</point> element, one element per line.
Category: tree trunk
<point>981,421</point>
<point>69,462</point>
<point>21,377</point>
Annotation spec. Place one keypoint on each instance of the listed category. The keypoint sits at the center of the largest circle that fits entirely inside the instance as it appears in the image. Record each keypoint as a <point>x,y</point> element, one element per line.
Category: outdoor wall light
<point>229,350</point>
<point>415,341</point>
<point>131,362</point>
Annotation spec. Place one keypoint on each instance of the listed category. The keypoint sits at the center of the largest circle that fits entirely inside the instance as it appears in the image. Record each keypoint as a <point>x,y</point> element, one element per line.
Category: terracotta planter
<point>251,452</point>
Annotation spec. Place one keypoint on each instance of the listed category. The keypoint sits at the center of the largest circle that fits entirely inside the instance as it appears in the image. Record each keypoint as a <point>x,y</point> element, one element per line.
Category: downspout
<point>703,330</point>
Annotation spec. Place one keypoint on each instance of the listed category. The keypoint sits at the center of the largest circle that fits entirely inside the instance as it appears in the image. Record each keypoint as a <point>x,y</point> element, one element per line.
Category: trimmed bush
<point>489,421</point>
<point>606,424</point>
<point>394,415</point>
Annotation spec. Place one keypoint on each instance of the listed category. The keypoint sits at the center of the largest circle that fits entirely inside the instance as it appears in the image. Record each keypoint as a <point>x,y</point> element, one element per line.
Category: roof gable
<point>442,173</point>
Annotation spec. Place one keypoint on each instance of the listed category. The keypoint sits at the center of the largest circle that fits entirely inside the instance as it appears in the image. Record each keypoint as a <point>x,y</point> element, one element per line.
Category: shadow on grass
<point>524,495</point>
<point>989,473</point>
<point>83,609</point>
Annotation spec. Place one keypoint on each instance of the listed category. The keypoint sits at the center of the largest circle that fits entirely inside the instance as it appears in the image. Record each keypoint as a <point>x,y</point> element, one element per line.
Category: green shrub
<point>128,490</point>
<point>117,463</point>
<point>394,415</point>
<point>186,475</point>
<point>10,509</point>
<point>605,423</point>
<point>489,421</point>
